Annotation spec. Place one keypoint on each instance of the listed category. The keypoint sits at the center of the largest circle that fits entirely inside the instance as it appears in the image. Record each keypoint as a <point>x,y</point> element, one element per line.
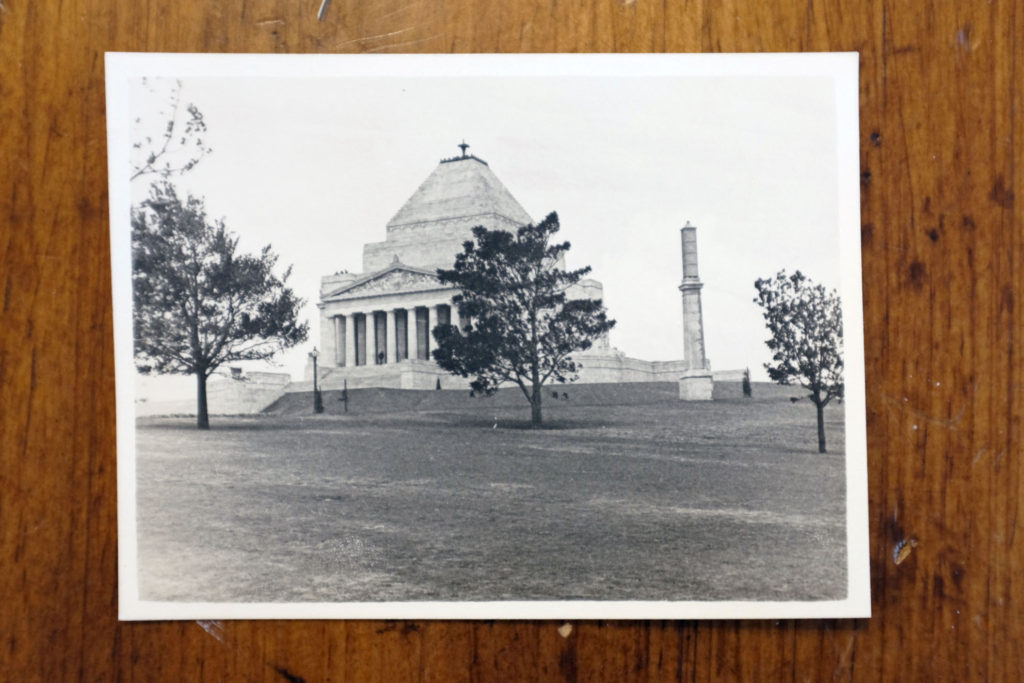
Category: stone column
<point>401,335</point>
<point>391,354</point>
<point>326,341</point>
<point>371,338</point>
<point>697,383</point>
<point>455,320</point>
<point>339,340</point>
<point>431,324</point>
<point>410,333</point>
<point>693,323</point>
<point>350,340</point>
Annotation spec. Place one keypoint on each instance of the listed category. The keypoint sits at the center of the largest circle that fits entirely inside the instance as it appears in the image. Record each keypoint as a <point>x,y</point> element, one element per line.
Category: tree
<point>522,328</point>
<point>198,303</point>
<point>806,326</point>
<point>178,147</point>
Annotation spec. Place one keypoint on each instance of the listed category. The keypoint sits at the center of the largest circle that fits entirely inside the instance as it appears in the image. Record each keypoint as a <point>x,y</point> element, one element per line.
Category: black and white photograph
<point>488,336</point>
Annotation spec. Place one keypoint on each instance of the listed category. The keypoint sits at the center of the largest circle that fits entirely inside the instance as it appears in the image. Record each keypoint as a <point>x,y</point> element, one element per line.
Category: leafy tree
<point>198,303</point>
<point>178,147</point>
<point>522,327</point>
<point>806,326</point>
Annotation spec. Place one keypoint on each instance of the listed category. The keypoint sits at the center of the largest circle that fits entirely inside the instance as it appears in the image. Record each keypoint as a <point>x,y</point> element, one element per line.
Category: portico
<point>386,336</point>
<point>378,324</point>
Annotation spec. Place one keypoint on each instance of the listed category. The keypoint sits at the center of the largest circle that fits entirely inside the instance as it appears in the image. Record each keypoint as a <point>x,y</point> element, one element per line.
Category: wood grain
<point>941,130</point>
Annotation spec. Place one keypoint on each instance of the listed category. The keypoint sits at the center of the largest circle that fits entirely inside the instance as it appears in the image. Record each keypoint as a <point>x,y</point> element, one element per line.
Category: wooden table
<point>942,124</point>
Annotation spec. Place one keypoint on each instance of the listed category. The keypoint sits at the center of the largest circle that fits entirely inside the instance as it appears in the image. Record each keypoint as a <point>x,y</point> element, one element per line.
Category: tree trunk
<point>202,413</point>
<point>535,414</point>
<point>821,426</point>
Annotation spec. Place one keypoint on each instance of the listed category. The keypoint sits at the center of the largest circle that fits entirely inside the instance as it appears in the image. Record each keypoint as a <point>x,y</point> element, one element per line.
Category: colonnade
<point>382,337</point>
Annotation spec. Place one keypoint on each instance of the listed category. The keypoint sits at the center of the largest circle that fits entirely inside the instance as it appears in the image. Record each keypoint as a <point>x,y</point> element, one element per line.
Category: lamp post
<point>318,403</point>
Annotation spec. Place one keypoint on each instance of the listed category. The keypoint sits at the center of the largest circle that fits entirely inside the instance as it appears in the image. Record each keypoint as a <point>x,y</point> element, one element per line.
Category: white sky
<point>317,166</point>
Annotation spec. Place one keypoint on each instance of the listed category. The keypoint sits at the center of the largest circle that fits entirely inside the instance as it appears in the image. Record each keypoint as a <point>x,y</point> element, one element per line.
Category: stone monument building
<point>375,325</point>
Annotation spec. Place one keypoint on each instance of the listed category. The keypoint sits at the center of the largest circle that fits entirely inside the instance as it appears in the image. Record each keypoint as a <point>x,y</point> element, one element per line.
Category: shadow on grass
<point>217,424</point>
<point>561,418</point>
<point>432,419</point>
<point>505,423</point>
<point>700,422</point>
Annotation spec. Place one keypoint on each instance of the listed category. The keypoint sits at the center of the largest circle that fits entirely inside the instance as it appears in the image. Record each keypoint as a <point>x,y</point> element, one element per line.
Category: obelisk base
<point>696,385</point>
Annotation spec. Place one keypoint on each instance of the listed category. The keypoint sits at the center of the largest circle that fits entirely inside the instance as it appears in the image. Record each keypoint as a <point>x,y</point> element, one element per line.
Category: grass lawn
<point>669,501</point>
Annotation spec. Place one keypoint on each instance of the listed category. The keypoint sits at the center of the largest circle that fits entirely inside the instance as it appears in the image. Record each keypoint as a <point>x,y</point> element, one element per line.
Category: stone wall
<point>407,374</point>
<point>597,366</point>
<point>383,401</point>
<point>250,393</point>
<point>331,283</point>
<point>729,375</point>
<point>614,366</point>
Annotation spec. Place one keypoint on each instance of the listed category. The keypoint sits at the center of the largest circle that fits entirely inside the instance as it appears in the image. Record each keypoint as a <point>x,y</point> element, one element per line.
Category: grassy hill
<point>364,401</point>
<point>668,500</point>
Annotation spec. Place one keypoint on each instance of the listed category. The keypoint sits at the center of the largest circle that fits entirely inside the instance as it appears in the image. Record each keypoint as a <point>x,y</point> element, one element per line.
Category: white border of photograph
<point>841,68</point>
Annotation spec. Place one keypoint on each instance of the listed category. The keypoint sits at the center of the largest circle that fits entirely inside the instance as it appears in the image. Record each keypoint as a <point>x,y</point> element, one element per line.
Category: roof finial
<point>687,224</point>
<point>463,146</point>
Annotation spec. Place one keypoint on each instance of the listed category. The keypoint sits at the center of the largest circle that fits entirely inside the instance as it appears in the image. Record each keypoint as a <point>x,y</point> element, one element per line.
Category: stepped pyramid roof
<point>430,228</point>
<point>460,187</point>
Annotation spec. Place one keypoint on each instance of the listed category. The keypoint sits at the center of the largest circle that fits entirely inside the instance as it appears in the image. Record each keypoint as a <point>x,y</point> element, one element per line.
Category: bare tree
<point>178,147</point>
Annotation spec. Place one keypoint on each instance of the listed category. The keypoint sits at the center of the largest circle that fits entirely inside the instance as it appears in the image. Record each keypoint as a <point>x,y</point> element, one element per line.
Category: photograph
<point>488,336</point>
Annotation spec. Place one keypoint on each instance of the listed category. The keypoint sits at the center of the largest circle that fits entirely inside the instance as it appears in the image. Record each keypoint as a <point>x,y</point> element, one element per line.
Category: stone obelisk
<point>696,384</point>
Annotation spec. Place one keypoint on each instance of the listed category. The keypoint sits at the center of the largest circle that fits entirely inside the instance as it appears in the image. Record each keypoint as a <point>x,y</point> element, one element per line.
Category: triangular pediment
<point>396,279</point>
